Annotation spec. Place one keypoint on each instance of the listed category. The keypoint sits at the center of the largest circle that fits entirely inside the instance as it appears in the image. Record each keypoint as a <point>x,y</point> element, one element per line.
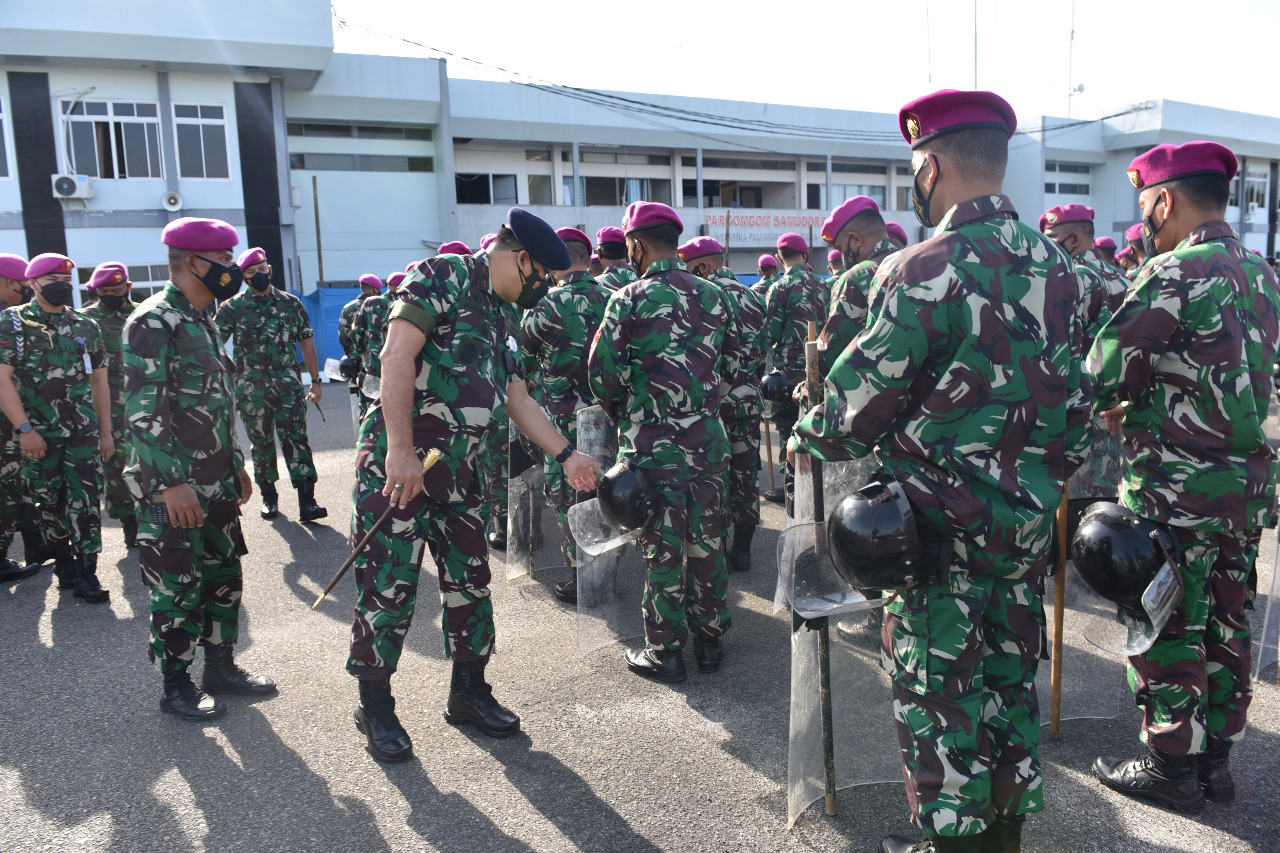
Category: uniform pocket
<point>905,655</point>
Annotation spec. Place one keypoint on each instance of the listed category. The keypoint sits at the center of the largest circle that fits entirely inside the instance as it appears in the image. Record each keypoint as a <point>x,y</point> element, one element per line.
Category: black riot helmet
<point>873,539</point>
<point>1118,554</point>
<point>778,405</point>
<point>349,367</point>
<point>626,501</point>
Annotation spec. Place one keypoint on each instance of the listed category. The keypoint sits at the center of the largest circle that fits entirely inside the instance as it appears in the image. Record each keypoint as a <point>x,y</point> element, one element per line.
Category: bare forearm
<point>397,399</point>
<point>529,416</point>
<point>309,357</point>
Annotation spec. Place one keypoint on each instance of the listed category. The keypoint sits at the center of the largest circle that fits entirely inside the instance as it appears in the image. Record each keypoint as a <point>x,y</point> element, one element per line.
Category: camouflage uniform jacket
<point>370,331</point>
<point>265,329</point>
<point>966,384</point>
<point>347,326</point>
<point>617,276</point>
<point>1191,350</point>
<point>555,339</point>
<point>1114,280</point>
<point>47,353</point>
<point>111,325</point>
<point>761,287</point>
<point>178,401</point>
<point>748,313</point>
<point>662,361</point>
<point>463,369</point>
<point>794,301</point>
<point>847,313</point>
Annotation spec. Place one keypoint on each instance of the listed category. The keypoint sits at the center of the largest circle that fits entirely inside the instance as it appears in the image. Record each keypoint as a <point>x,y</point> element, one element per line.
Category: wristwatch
<point>24,428</point>
<point>563,455</point>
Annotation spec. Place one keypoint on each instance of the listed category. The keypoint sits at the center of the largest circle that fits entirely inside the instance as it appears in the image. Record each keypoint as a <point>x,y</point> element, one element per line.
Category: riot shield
<point>533,537</point>
<point>838,480</point>
<point>597,435</point>
<point>808,579</point>
<point>1099,474</point>
<point>1127,634</point>
<point>1093,683</point>
<point>333,369</point>
<point>1269,638</point>
<point>610,592</point>
<point>593,534</point>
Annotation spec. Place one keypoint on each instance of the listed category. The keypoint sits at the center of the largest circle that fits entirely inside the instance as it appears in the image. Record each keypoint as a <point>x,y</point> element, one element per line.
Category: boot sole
<point>92,599</point>
<point>305,518</point>
<point>675,678</point>
<point>223,690</point>
<point>458,722</point>
<point>194,718</point>
<point>1220,796</point>
<point>384,757</point>
<point>1192,808</point>
<point>20,575</point>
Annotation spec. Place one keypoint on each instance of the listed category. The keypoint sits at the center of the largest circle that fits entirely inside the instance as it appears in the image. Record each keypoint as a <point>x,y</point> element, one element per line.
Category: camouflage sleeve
<point>9,321</point>
<point>1079,399</point>
<point>302,322</point>
<point>774,317</point>
<point>226,321</point>
<point>531,340</point>
<point>147,356</point>
<point>346,326</point>
<point>608,365</point>
<point>1125,353</point>
<point>422,297</point>
<point>93,344</point>
<point>731,354</point>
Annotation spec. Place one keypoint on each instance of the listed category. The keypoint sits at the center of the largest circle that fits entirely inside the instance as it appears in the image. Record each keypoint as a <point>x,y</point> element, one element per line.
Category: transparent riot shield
<point>593,534</point>
<point>333,369</point>
<point>610,592</point>
<point>1099,474</point>
<point>597,435</point>
<point>1120,632</point>
<point>533,536</point>
<point>1093,682</point>
<point>808,579</point>
<point>1268,639</point>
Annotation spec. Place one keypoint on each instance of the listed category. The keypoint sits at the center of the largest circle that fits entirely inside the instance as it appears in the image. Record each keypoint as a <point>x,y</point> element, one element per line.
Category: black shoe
<point>858,627</point>
<point>567,591</point>
<point>66,566</point>
<point>270,502</point>
<point>471,702</point>
<point>1170,780</point>
<point>936,844</point>
<point>130,525</point>
<point>34,549</point>
<point>776,496</point>
<point>707,653</point>
<point>223,675</point>
<point>740,555</point>
<point>498,535</point>
<point>1214,772</point>
<point>182,699</point>
<point>377,721</point>
<point>11,571</point>
<point>86,584</point>
<point>1004,834</point>
<point>661,664</point>
<point>308,509</point>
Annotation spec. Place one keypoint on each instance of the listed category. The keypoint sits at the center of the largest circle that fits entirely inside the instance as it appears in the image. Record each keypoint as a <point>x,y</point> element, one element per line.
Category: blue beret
<point>539,239</point>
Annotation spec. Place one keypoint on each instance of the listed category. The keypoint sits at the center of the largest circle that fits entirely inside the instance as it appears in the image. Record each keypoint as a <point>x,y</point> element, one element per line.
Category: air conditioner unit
<point>71,186</point>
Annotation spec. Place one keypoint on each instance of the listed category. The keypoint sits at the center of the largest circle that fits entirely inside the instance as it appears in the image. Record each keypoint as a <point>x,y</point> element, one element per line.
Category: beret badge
<point>913,125</point>
<point>1135,178</point>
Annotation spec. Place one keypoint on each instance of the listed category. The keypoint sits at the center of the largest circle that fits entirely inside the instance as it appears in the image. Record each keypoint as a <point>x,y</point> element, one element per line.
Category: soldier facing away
<point>965,388</point>
<point>14,496</point>
<point>611,245</point>
<point>370,285</point>
<point>767,267</point>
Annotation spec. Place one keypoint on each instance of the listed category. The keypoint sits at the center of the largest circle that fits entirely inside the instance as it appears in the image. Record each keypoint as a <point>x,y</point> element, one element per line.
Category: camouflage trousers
<point>387,576</point>
<point>683,547</point>
<point>1195,680</point>
<point>12,490</point>
<point>195,582</point>
<point>120,504</point>
<point>963,656</point>
<point>66,486</point>
<point>559,493</point>
<point>492,468</point>
<point>269,407</point>
<point>743,508</point>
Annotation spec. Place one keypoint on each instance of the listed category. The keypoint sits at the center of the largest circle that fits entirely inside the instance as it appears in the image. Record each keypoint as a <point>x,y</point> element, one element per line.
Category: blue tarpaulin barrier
<point>323,307</point>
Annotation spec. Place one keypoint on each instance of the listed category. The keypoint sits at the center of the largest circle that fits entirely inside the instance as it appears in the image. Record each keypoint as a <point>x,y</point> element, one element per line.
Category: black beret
<point>539,239</point>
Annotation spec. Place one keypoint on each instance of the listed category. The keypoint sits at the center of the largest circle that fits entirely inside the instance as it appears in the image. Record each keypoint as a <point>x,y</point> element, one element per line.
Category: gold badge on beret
<point>66,266</point>
<point>1051,217</point>
<point>1135,178</point>
<point>913,125</point>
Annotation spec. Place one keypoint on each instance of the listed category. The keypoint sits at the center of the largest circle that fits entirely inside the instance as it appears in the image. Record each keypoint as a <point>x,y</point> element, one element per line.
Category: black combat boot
<point>707,653</point>
<point>223,675</point>
<point>1004,835</point>
<point>661,664</point>
<point>567,591</point>
<point>86,583</point>
<point>130,525</point>
<point>935,844</point>
<point>1170,780</point>
<point>182,699</point>
<point>1215,775</point>
<point>66,566</point>
<point>471,701</point>
<point>308,509</point>
<point>498,535</point>
<point>740,554</point>
<point>34,549</point>
<point>270,502</point>
<point>11,571</point>
<point>377,721</point>
<point>776,496</point>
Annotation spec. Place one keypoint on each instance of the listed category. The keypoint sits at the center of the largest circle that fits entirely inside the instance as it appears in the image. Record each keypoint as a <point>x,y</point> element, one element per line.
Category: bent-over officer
<point>965,386</point>
<point>445,371</point>
<point>265,324</point>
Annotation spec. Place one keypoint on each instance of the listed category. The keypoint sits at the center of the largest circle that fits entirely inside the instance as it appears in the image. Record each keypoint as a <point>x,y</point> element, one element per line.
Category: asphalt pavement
<point>606,761</point>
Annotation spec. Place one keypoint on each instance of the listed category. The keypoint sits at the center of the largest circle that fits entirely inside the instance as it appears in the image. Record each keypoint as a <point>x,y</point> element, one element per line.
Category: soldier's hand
<point>1114,419</point>
<point>183,506</point>
<point>107,445</point>
<point>246,486</point>
<point>404,477</point>
<point>32,445</point>
<point>581,471</point>
<point>315,393</point>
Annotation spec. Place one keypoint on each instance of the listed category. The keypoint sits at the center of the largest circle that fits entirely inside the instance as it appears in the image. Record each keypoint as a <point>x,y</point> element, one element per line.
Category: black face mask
<point>56,292</point>
<point>26,292</point>
<point>532,288</point>
<point>921,205</point>
<point>110,302</point>
<point>222,280</point>
<point>1149,229</point>
<point>260,281</point>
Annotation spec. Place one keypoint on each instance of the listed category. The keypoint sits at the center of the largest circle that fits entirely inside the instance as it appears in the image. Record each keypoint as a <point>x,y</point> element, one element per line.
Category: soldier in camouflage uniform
<point>767,267</point>
<point>369,333</point>
<point>965,387</point>
<point>370,285</point>
<point>794,301</point>
<point>1137,250</point>
<point>555,337</point>
<point>445,329</point>
<point>1189,357</point>
<point>672,324</point>
<point>611,245</point>
<point>187,472</point>
<point>53,385</point>
<point>265,323</point>
<point>13,489</point>
<point>1104,248</point>
<point>110,281</point>
<point>741,408</point>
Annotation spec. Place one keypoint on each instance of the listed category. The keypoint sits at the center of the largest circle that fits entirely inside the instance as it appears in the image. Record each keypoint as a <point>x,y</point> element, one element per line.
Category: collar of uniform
<point>887,246</point>
<point>576,276</point>
<point>179,300</point>
<point>1215,230</point>
<point>975,209</point>
<point>664,265</point>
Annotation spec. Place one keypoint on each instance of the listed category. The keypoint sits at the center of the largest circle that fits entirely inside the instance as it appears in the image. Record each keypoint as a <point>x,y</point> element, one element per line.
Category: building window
<point>841,192</point>
<point>538,154</point>
<point>903,170</point>
<point>857,168</point>
<point>566,191</point>
<point>318,162</point>
<point>486,189</point>
<point>616,192</point>
<point>112,139</point>
<point>201,131</point>
<point>504,189</point>
<point>1071,189</point>
<point>4,153</point>
<point>736,163</point>
<point>540,189</point>
<point>904,199</point>
<point>814,197</point>
<point>1068,168</point>
<point>1050,188</point>
<point>332,130</point>
<point>625,158</point>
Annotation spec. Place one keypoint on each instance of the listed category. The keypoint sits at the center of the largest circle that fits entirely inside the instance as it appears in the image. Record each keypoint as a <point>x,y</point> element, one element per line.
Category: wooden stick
<point>768,452</point>
<point>1059,607</point>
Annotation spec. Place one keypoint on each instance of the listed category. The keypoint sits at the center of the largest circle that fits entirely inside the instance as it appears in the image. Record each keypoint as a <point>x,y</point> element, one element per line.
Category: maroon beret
<point>193,234</point>
<point>949,110</point>
<point>48,264</point>
<point>13,266</point>
<point>1171,162</point>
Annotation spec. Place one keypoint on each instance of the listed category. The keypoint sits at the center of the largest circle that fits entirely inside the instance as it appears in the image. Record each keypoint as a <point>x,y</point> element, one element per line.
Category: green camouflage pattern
<point>119,502</point>
<point>617,276</point>
<point>66,485</point>
<point>277,407</point>
<point>1113,278</point>
<point>47,353</point>
<point>1191,350</point>
<point>347,326</point>
<point>12,485</point>
<point>369,334</point>
<point>849,301</point>
<point>262,330</point>
<point>794,301</point>
<point>762,285</point>
<point>178,402</point>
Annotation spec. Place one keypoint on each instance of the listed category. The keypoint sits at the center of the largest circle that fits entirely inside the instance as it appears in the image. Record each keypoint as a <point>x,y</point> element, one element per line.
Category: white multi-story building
<point>340,164</point>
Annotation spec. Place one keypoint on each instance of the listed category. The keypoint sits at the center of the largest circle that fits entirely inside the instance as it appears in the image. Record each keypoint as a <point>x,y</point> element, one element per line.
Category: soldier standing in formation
<point>368,334</point>
<point>1137,249</point>
<point>265,323</point>
<point>767,267</point>
<point>111,282</point>
<point>1105,248</point>
<point>611,246</point>
<point>53,385</point>
<point>370,285</point>
<point>446,371</point>
<point>1101,289</point>
<point>13,489</point>
<point>944,356</point>
<point>1185,363</point>
<point>671,323</point>
<point>187,472</point>
<point>555,338</point>
<point>835,266</point>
